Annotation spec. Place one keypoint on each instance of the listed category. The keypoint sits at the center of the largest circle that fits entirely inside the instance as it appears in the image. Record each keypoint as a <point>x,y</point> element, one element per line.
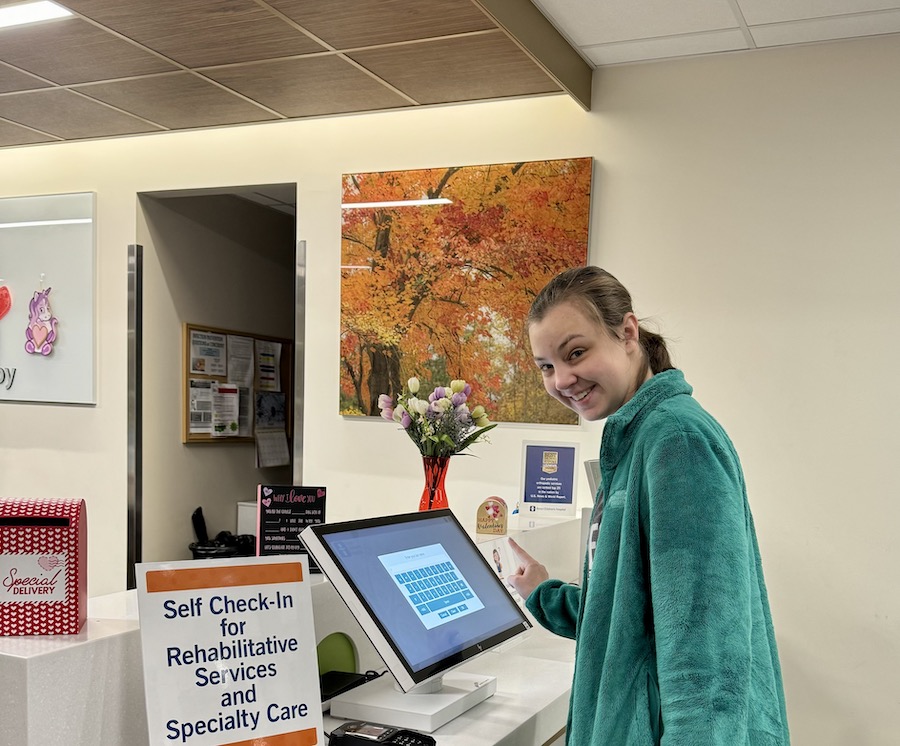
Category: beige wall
<point>749,201</point>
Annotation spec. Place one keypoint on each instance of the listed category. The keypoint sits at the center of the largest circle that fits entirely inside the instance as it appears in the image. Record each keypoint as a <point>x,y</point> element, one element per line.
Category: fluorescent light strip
<point>38,223</point>
<point>19,15</point>
<point>396,203</point>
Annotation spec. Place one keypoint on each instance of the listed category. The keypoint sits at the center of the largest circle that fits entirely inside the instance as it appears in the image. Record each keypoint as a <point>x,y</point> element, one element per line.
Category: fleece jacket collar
<point>619,427</point>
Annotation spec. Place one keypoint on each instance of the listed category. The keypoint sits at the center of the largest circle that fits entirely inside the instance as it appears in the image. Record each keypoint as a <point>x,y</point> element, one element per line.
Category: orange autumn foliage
<point>441,291</point>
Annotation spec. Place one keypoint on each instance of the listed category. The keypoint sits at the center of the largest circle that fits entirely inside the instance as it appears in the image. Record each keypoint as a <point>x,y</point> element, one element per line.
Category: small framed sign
<point>548,477</point>
<point>283,511</point>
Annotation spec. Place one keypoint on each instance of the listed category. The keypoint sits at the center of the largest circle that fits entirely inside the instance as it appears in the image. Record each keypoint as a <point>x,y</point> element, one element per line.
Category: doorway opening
<point>226,258</point>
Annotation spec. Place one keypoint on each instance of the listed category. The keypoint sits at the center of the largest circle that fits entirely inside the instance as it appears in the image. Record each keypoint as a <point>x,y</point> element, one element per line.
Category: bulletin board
<point>260,367</point>
<point>47,305</point>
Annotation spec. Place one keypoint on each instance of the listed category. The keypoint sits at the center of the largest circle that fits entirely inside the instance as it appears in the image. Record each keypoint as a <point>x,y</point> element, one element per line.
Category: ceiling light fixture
<point>39,223</point>
<point>18,15</point>
<point>396,203</point>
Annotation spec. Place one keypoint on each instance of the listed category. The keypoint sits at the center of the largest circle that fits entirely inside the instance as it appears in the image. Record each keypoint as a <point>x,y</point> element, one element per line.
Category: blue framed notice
<point>548,477</point>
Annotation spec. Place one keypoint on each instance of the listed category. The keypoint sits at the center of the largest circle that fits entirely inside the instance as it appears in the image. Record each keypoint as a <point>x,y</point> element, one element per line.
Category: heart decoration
<point>48,563</point>
<point>5,301</point>
<point>267,501</point>
<point>267,491</point>
<point>320,492</point>
<point>39,334</point>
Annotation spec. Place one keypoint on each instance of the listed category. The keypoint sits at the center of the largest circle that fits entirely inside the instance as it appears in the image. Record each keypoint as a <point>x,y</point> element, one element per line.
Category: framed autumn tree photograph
<point>439,267</point>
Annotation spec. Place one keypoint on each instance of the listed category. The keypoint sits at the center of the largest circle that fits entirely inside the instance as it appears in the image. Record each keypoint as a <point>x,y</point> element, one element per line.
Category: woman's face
<point>585,367</point>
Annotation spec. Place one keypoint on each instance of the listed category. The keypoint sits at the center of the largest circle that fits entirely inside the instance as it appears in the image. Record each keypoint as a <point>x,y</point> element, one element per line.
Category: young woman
<point>674,639</point>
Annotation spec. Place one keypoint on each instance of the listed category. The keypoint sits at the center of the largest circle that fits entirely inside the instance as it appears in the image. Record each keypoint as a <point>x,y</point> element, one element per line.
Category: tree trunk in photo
<point>384,374</point>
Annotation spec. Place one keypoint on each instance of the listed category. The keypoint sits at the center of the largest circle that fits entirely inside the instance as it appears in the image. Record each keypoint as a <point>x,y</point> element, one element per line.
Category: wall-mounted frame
<point>455,256</point>
<point>260,366</point>
<point>47,304</point>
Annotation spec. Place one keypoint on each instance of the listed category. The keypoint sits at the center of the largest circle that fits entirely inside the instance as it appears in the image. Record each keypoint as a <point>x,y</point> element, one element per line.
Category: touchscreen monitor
<point>420,589</point>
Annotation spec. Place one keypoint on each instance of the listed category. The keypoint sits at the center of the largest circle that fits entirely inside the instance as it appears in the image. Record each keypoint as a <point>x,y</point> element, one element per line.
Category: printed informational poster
<point>229,652</point>
<point>283,512</point>
<point>208,353</point>
<point>240,360</point>
<point>548,477</point>
<point>200,406</point>
<point>271,429</point>
<point>225,410</point>
<point>268,365</point>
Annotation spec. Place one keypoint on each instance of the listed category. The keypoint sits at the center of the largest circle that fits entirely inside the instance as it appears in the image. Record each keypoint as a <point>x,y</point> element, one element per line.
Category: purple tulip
<point>459,398</point>
<point>405,420</point>
<point>467,390</point>
<point>384,401</point>
<point>388,414</point>
<point>438,393</point>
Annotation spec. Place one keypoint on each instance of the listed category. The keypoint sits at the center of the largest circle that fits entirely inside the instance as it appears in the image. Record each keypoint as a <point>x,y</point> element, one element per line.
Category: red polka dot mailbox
<point>43,566</point>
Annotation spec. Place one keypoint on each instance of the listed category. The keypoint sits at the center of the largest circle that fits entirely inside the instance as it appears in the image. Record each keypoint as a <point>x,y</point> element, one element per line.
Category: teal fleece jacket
<point>674,639</point>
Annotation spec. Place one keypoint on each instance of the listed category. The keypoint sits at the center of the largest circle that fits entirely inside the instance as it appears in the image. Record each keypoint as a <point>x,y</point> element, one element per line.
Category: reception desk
<point>74,689</point>
<point>88,689</point>
<point>530,705</point>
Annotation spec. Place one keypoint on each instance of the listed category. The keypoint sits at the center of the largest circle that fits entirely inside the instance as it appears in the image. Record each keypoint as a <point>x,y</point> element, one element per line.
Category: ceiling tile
<point>824,29</point>
<point>309,86</point>
<point>12,134</point>
<point>464,69</point>
<point>669,46</point>
<point>757,12</point>
<point>177,101</point>
<point>68,115</point>
<point>590,22</point>
<point>73,51</point>
<point>197,33</point>
<point>14,80</point>
<point>345,24</point>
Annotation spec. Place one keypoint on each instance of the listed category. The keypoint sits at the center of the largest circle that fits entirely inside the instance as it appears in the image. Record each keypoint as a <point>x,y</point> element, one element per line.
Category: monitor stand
<point>425,708</point>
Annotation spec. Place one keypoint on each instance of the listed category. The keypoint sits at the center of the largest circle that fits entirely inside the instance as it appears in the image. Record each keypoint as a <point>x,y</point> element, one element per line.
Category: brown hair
<point>604,298</point>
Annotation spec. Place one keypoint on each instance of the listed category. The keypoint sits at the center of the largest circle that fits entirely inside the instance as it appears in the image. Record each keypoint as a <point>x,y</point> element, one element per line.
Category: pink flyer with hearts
<point>283,511</point>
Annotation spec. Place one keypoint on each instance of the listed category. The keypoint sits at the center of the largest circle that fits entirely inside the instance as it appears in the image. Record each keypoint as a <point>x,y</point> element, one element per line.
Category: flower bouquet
<point>441,425</point>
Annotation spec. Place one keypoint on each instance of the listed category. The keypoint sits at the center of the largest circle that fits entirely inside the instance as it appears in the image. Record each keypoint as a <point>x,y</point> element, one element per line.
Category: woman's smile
<point>580,395</point>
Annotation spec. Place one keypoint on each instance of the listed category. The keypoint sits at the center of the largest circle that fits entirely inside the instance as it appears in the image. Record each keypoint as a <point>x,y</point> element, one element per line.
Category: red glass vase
<point>434,495</point>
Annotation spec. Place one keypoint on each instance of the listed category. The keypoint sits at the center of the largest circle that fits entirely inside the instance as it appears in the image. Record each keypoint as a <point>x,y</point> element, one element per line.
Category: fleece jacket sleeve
<point>699,556</point>
<point>554,605</point>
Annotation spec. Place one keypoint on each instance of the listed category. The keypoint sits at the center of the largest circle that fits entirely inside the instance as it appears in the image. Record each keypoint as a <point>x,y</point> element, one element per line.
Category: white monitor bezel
<point>406,678</point>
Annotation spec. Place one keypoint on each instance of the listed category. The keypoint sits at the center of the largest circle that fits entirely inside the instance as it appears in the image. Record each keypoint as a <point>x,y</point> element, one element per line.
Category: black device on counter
<point>357,732</point>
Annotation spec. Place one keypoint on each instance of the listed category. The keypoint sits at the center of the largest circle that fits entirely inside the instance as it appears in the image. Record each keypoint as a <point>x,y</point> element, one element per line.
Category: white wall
<point>749,201</point>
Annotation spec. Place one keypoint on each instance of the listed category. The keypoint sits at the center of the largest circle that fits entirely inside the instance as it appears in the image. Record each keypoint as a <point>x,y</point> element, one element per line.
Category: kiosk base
<point>380,701</point>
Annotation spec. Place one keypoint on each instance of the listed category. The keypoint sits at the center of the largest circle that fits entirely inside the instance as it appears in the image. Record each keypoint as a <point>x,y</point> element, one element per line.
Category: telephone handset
<point>355,733</point>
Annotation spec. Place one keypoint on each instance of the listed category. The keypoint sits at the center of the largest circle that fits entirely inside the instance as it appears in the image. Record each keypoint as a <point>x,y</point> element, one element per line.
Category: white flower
<point>413,385</point>
<point>441,405</point>
<point>457,386</point>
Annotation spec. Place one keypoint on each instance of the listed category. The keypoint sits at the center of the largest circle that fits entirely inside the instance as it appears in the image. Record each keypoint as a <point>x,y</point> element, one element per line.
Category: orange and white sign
<point>229,652</point>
